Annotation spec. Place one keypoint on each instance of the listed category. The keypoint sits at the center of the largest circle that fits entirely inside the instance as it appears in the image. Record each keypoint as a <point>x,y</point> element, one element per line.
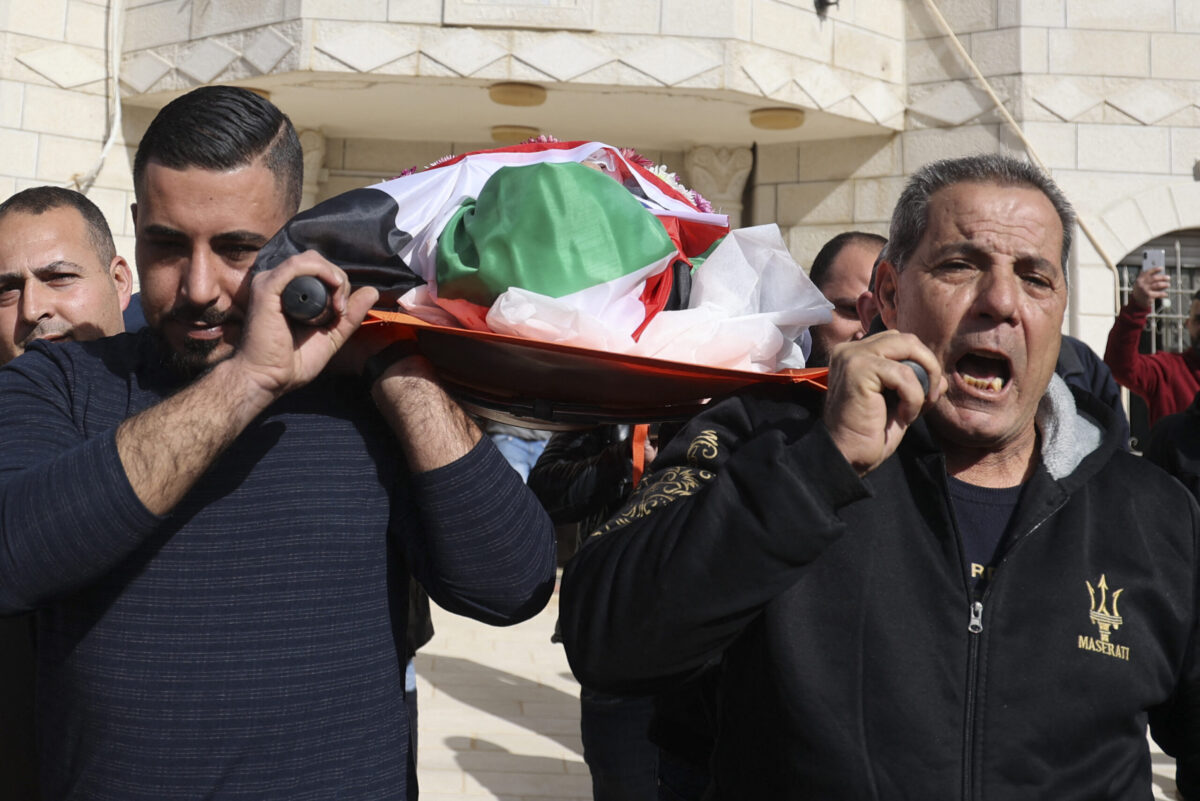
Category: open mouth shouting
<point>986,372</point>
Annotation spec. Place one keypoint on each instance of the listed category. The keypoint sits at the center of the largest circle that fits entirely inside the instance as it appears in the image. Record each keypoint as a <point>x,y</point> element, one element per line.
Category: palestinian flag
<point>577,223</point>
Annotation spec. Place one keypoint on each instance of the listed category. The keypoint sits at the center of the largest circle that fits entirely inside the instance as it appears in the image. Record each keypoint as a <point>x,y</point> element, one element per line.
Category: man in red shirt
<point>1166,381</point>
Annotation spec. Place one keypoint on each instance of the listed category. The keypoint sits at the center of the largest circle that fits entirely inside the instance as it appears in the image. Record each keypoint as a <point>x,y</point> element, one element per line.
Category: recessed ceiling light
<point>517,94</point>
<point>777,119</point>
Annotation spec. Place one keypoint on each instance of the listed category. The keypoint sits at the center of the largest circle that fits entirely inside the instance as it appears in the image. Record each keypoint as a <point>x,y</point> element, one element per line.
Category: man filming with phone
<point>1166,381</point>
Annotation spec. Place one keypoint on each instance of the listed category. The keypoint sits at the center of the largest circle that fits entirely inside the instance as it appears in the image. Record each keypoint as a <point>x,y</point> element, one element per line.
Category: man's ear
<point>887,282</point>
<point>122,278</point>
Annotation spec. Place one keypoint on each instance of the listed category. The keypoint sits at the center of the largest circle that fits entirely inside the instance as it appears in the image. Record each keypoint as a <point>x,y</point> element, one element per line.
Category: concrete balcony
<point>663,73</point>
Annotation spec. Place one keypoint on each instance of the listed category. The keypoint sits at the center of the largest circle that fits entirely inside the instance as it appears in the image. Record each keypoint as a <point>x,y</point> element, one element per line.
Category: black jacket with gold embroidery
<point>857,664</point>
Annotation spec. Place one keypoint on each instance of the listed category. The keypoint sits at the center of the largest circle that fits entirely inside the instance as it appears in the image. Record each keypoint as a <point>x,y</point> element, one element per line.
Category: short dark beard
<point>193,360</point>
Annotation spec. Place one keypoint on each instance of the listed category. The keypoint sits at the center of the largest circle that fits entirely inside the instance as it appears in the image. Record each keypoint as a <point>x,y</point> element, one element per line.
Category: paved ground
<point>499,715</point>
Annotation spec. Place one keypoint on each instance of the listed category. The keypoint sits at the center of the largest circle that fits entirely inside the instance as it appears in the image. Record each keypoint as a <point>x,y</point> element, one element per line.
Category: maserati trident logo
<point>1107,617</point>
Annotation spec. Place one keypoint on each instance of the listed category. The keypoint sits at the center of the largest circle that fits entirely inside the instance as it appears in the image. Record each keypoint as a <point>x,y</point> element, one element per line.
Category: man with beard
<point>60,279</point>
<point>1166,381</point>
<point>965,591</point>
<point>216,524</point>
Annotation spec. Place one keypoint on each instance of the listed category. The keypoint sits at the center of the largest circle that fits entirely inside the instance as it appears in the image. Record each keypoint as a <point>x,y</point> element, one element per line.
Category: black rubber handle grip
<point>922,374</point>
<point>306,300</point>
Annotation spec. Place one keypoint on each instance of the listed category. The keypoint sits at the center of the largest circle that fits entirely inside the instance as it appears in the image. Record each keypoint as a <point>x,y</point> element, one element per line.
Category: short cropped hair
<point>911,216</point>
<point>819,272</point>
<point>41,199</point>
<point>223,128</point>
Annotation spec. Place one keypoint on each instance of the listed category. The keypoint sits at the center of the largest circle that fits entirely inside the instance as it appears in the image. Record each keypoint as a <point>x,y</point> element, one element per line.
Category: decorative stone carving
<point>313,144</point>
<point>720,173</point>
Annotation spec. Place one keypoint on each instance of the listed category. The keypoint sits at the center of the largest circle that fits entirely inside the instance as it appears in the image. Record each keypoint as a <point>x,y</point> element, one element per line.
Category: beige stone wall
<point>54,113</point>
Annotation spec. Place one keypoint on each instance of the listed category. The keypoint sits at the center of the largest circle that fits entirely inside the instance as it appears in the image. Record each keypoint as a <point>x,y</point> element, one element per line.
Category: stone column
<point>313,144</point>
<point>720,173</point>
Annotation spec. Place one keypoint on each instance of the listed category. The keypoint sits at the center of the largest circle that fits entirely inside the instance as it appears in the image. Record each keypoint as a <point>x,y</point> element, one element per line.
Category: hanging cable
<point>987,87</point>
<point>115,35</point>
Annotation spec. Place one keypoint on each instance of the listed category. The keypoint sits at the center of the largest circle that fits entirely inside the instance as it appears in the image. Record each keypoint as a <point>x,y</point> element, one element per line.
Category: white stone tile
<point>931,60</point>
<point>419,11</point>
<point>711,18</point>
<point>61,158</point>
<point>20,149</point>
<point>266,49</point>
<point>1035,50</point>
<point>824,86</point>
<point>1125,220</point>
<point>762,209</point>
<point>815,203</point>
<point>61,111</point>
<point>868,53</point>
<point>562,55</point>
<point>143,70</point>
<point>767,69</point>
<point>205,60</point>
<point>1187,17</point>
<point>1092,192</point>
<point>1066,98</point>
<point>365,47</point>
<point>855,157</point>
<point>12,97</point>
<point>65,64</point>
<point>1176,56</point>
<point>882,16</point>
<point>875,198</point>
<point>671,61</point>
<point>1185,150</point>
<point>954,104</point>
<point>963,16</point>
<point>1148,102</point>
<point>997,52</point>
<point>1043,13</point>
<point>45,19</point>
<point>1119,15</point>
<point>922,147</point>
<point>464,50</point>
<point>627,16</point>
<point>209,19</point>
<point>361,10</point>
<point>792,30</point>
<point>1110,53</point>
<point>1157,208</point>
<point>87,25</point>
<point>157,24</point>
<point>1187,204</point>
<point>885,103</point>
<point>1053,141</point>
<point>1124,148</point>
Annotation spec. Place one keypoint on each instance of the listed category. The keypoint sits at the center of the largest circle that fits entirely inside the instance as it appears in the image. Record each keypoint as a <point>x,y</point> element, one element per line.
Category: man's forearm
<point>432,429</point>
<point>166,448</point>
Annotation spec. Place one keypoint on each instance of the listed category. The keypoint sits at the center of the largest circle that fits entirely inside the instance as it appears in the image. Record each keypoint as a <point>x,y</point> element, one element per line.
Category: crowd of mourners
<point>943,575</point>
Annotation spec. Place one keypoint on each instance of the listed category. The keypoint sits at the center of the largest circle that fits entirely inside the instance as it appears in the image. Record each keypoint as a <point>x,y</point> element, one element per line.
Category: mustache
<point>208,315</point>
<point>43,330</point>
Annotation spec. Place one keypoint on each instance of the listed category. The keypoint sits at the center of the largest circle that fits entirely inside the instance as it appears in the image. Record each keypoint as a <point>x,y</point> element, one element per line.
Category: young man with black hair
<point>216,527</point>
<point>965,591</point>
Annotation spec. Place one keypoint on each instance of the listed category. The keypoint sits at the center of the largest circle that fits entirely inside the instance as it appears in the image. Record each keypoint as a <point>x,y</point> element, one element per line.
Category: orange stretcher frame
<point>547,385</point>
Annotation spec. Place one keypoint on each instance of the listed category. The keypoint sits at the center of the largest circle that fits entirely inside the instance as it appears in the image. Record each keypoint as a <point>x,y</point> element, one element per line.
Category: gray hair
<point>911,216</point>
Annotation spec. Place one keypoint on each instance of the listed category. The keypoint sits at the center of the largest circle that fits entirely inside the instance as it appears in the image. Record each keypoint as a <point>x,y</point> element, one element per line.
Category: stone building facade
<point>1106,91</point>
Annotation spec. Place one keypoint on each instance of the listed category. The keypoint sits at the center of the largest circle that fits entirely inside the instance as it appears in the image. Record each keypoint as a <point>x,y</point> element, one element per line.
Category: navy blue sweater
<point>248,645</point>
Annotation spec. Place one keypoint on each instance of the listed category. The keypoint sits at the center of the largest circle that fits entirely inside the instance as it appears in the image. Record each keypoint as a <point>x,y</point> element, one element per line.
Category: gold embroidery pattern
<point>669,485</point>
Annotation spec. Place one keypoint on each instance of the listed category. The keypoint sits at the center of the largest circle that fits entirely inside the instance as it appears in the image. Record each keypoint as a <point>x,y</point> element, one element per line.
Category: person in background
<point>842,271</point>
<point>1166,381</point>
<point>61,279</point>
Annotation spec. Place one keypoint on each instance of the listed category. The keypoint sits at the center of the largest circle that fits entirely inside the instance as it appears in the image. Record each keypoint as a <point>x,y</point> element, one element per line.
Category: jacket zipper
<point>974,629</point>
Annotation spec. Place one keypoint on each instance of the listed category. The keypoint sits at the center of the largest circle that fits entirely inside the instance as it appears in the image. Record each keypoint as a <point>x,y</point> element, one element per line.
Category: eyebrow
<point>974,251</point>
<point>226,237</point>
<point>52,267</point>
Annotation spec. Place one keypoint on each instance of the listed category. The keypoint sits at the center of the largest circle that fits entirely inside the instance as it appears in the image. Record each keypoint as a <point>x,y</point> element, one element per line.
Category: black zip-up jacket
<point>857,662</point>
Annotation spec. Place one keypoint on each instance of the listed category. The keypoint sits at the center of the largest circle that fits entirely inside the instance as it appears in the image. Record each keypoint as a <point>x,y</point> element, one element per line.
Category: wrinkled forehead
<point>1013,221</point>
